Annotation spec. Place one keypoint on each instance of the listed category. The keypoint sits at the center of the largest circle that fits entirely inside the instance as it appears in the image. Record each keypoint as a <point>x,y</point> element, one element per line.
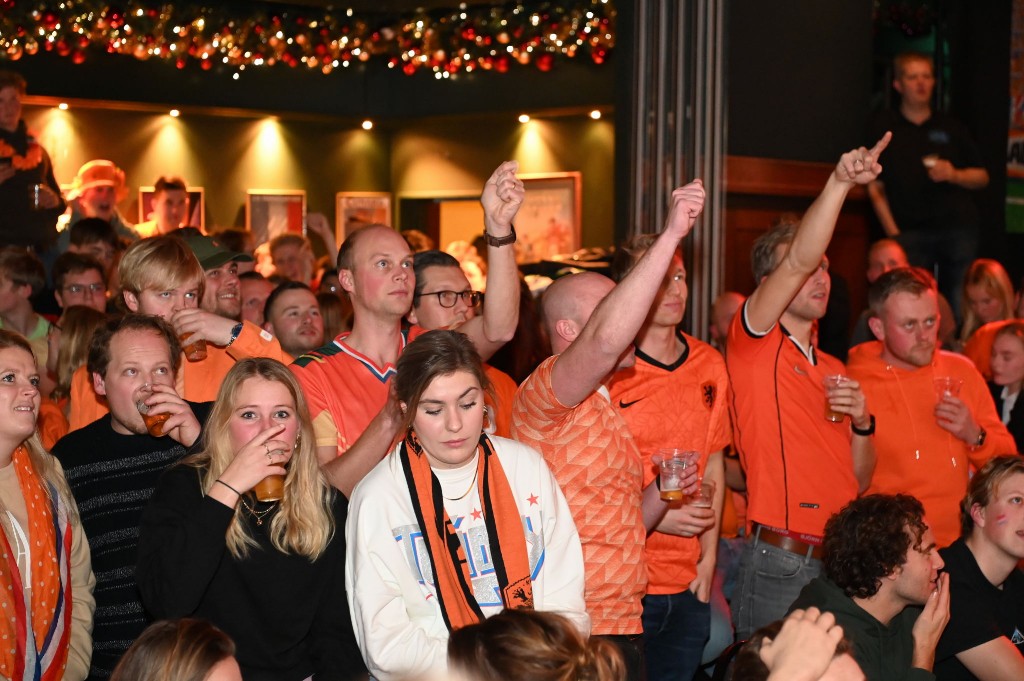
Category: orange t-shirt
<point>197,381</point>
<point>914,455</point>
<point>595,460</point>
<point>681,405</point>
<point>345,389</point>
<point>798,464</point>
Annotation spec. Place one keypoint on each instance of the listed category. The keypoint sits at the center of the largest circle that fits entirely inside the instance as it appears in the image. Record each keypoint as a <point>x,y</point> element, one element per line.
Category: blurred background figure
<point>531,645</point>
<point>986,297</point>
<point>170,209</point>
<point>1008,378</point>
<point>95,192</point>
<point>180,650</point>
<point>30,198</point>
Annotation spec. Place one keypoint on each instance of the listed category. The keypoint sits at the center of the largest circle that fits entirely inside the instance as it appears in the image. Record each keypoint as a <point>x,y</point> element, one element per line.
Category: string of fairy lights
<point>495,36</point>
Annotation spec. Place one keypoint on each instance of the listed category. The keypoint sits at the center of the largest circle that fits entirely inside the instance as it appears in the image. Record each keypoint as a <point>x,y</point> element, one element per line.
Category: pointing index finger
<point>880,145</point>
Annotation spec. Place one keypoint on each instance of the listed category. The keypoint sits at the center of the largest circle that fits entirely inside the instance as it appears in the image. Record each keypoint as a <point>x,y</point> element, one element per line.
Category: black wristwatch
<point>980,442</point>
<point>499,241</point>
<point>864,432</point>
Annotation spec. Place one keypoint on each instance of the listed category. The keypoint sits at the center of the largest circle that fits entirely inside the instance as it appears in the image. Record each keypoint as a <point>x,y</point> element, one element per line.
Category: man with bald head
<point>563,411</point>
<point>347,381</point>
<point>884,256</point>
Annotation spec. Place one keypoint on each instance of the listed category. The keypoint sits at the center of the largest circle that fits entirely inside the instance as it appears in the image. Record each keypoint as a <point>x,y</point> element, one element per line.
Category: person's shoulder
<point>318,357</point>
<point>514,450</point>
<point>704,351</point>
<point>955,362</point>
<point>382,478</point>
<point>80,444</point>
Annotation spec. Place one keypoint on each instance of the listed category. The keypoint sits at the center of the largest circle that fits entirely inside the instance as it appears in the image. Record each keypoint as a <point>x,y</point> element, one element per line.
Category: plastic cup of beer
<point>703,497</point>
<point>195,351</point>
<point>270,488</point>
<point>154,422</point>
<point>672,465</point>
<point>832,382</point>
<point>947,386</point>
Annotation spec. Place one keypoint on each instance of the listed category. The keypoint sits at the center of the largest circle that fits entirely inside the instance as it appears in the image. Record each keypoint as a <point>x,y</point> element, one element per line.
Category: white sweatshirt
<point>395,614</point>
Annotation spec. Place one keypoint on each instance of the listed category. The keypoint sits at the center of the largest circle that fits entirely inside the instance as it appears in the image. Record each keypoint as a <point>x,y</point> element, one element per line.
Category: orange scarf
<point>447,555</point>
<point>42,649</point>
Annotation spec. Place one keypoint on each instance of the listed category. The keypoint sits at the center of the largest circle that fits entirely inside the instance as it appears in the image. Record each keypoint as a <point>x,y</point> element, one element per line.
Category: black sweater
<point>112,477</point>
<point>288,616</point>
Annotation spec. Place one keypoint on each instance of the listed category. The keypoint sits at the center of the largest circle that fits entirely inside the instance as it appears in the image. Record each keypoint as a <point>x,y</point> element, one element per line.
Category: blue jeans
<point>676,627</point>
<point>770,579</point>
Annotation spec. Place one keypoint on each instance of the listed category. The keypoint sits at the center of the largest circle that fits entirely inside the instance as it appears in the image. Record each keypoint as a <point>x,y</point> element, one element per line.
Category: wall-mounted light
<point>174,113</point>
<point>63,106</point>
<point>524,118</point>
<point>367,124</point>
<point>596,114</point>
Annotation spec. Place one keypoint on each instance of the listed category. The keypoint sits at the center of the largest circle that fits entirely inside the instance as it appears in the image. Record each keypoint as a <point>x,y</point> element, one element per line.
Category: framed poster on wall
<point>195,216</point>
<point>548,222</point>
<point>270,212</point>
<point>356,209</point>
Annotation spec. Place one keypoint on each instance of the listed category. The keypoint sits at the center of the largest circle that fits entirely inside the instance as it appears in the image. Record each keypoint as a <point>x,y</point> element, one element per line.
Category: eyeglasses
<point>449,298</point>
<point>79,289</point>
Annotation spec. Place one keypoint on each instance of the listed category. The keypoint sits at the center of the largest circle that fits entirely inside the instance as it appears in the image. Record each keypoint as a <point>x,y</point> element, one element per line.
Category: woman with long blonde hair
<point>45,576</point>
<point>987,296</point>
<point>269,573</point>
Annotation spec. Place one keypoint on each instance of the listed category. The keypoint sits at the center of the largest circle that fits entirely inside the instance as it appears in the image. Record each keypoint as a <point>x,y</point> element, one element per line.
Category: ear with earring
<point>298,440</point>
<point>489,423</point>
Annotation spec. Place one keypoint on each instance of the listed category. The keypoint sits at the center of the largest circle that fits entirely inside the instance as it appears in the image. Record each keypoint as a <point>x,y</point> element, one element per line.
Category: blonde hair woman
<point>45,576</point>
<point>987,296</point>
<point>270,574</point>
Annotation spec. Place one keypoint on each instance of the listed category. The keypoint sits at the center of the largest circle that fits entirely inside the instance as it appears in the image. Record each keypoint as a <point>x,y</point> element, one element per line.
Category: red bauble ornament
<point>409,68</point>
<point>599,56</point>
<point>501,64</point>
<point>545,61</point>
<point>180,62</point>
<point>63,49</point>
<point>78,57</point>
<point>206,64</point>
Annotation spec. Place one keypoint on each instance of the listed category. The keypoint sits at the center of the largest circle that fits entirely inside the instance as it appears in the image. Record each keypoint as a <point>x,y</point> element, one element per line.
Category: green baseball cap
<point>211,254</point>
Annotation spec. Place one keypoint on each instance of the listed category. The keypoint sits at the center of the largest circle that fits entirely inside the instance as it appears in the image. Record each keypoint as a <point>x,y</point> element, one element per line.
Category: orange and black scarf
<point>447,556</point>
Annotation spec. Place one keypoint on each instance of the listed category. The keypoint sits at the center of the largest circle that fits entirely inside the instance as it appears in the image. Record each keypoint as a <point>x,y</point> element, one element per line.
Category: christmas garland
<point>246,35</point>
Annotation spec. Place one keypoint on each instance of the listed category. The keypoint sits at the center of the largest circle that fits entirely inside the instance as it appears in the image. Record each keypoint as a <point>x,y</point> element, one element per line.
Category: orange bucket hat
<point>99,173</point>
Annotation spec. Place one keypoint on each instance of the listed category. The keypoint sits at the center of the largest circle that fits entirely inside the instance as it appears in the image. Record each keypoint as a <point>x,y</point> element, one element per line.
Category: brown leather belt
<point>786,543</point>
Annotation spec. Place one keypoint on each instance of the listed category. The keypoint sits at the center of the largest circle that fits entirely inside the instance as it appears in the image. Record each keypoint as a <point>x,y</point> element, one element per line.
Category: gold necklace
<point>472,484</point>
<point>258,515</point>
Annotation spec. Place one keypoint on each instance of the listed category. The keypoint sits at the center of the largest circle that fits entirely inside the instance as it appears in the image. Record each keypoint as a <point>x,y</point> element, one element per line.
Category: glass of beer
<point>195,351</point>
<point>154,422</point>
<point>831,383</point>
<point>672,464</point>
<point>270,488</point>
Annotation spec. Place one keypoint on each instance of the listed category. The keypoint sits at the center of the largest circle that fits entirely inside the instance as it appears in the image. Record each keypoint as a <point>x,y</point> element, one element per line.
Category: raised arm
<point>774,292</point>
<point>613,326</point>
<point>501,198</point>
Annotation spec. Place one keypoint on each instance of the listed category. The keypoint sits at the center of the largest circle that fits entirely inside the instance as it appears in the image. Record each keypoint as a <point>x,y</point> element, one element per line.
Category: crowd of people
<point>225,460</point>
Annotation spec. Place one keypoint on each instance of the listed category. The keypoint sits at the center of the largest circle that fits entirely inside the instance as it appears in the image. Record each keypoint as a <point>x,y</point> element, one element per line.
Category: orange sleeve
<point>52,424</point>
<point>86,405</point>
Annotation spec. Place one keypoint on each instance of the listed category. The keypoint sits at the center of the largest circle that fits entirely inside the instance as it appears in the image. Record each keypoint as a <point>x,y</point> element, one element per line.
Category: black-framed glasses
<point>449,298</point>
